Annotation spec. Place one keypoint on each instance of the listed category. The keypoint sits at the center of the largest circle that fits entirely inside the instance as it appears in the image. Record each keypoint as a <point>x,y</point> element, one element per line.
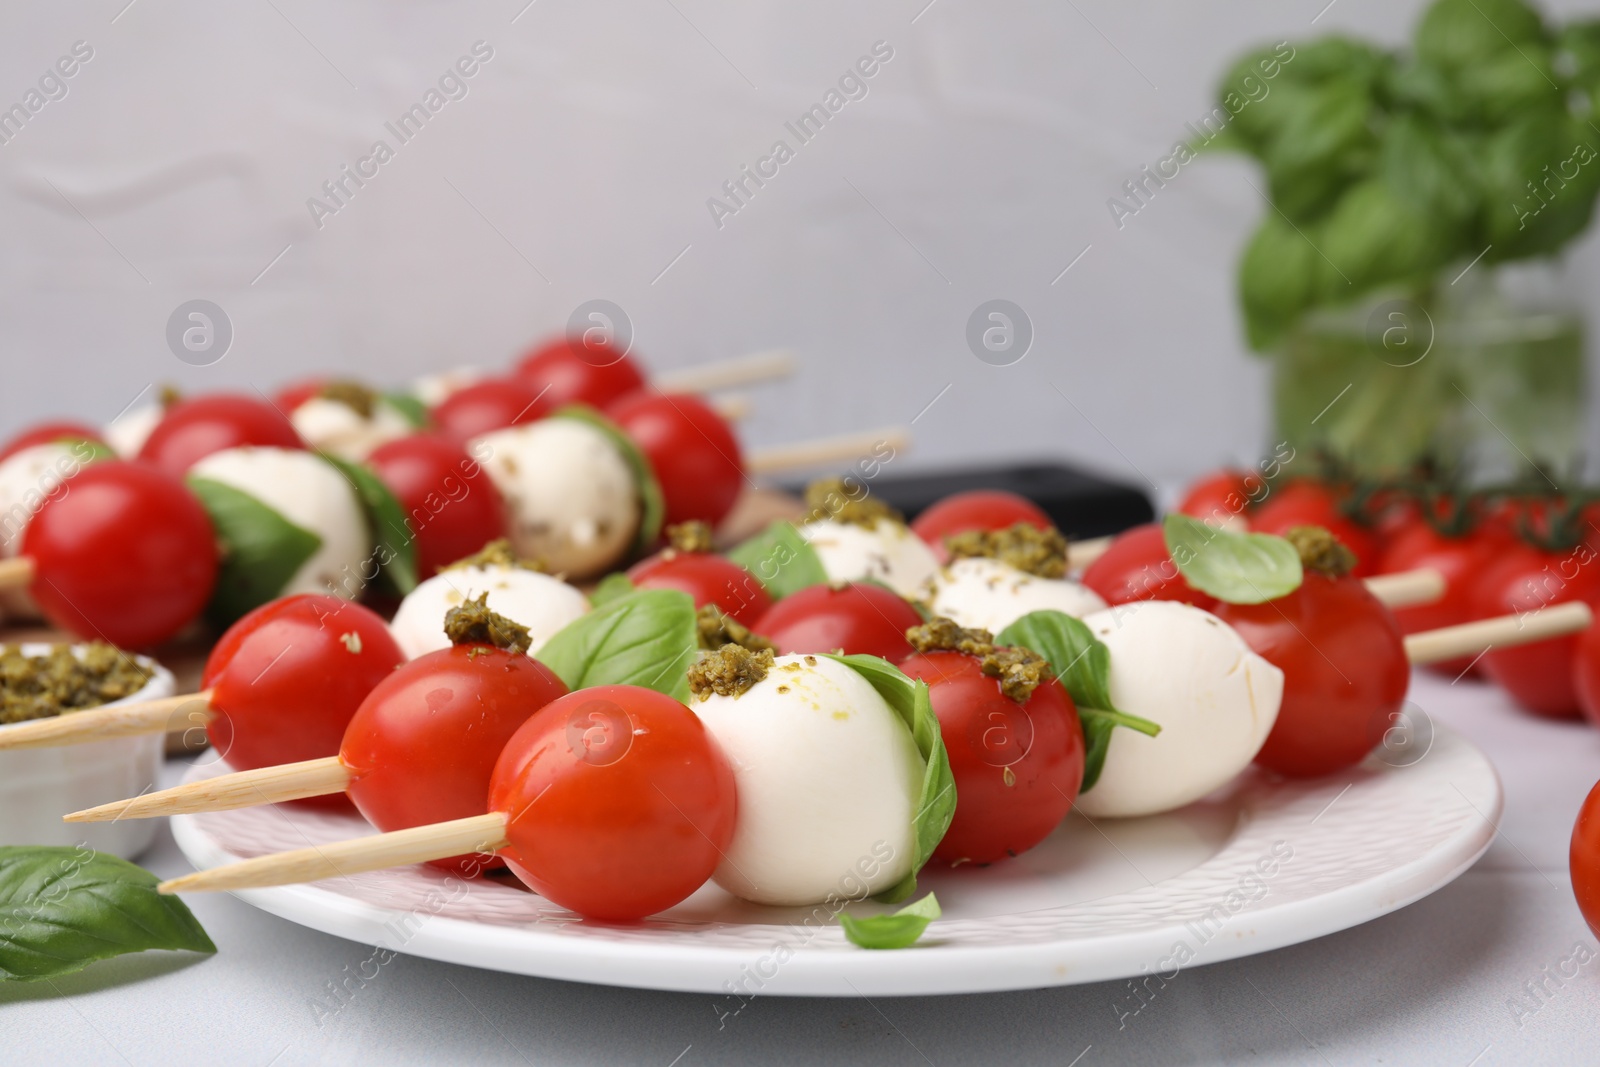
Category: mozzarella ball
<point>310,494</point>
<point>435,389</point>
<point>28,478</point>
<point>887,551</point>
<point>1214,699</point>
<point>127,432</point>
<point>828,781</point>
<point>571,495</point>
<point>541,603</point>
<point>985,594</point>
<point>336,427</point>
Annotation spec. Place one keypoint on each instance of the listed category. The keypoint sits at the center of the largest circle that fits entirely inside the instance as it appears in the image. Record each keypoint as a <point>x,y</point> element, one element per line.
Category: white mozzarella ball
<point>126,433</point>
<point>28,478</point>
<point>828,781</point>
<point>538,601</point>
<point>310,494</point>
<point>985,594</point>
<point>336,427</point>
<point>435,389</point>
<point>886,551</point>
<point>571,495</point>
<point>1191,673</point>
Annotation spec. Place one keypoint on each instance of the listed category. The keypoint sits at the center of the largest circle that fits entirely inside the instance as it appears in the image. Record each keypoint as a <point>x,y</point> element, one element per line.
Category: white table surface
<point>1433,983</point>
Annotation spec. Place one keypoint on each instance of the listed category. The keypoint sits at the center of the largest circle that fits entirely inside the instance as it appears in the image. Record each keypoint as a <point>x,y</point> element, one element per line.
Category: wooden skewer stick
<point>732,408</point>
<point>242,789</point>
<point>1402,590</point>
<point>826,450</point>
<point>16,573</point>
<point>102,724</point>
<point>480,833</point>
<point>1082,553</point>
<point>746,370</point>
<point>1503,631</point>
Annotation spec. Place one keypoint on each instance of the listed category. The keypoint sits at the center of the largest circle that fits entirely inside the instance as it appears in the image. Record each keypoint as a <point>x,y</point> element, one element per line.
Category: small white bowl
<point>39,785</point>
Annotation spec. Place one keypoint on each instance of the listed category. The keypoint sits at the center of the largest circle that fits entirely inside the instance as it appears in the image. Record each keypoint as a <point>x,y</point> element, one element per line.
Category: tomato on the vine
<point>1220,497</point>
<point>1584,860</point>
<point>1137,566</point>
<point>488,405</point>
<point>1460,560</point>
<point>581,370</point>
<point>45,433</point>
<point>1539,677</point>
<point>691,449</point>
<point>975,509</point>
<point>452,508</point>
<point>1308,503</point>
<point>709,579</point>
<point>193,429</point>
<point>853,617</point>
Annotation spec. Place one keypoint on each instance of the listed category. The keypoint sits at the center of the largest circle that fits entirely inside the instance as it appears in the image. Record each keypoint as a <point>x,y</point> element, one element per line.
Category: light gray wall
<point>578,166</point>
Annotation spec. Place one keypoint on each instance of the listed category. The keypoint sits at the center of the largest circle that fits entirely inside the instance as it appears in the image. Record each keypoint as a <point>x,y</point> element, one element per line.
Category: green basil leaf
<point>1082,664</point>
<point>652,505</point>
<point>613,586</point>
<point>1374,238</point>
<point>1432,170</point>
<point>936,801</point>
<point>1235,568</point>
<point>1457,34</point>
<point>780,559</point>
<point>63,908</point>
<point>393,544</point>
<point>410,407</point>
<point>646,638</point>
<point>87,451</point>
<point>261,550</point>
<point>1558,157</point>
<point>899,930</point>
<point>1277,280</point>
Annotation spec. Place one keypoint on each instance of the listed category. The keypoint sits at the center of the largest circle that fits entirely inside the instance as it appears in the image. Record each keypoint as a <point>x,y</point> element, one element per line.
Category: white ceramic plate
<point>1267,864</point>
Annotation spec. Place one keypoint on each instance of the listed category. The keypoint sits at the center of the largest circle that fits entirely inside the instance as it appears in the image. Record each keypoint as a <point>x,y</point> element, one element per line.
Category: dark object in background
<point>1080,504</point>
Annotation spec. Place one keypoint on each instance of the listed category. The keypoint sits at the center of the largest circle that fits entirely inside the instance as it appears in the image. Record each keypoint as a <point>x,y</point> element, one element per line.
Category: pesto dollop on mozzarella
<point>828,781</point>
<point>537,601</point>
<point>309,493</point>
<point>571,495</point>
<point>886,551</point>
<point>1190,672</point>
<point>336,427</point>
<point>985,594</point>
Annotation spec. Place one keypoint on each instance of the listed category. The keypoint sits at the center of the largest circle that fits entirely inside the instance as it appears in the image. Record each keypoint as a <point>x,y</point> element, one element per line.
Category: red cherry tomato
<point>491,404</point>
<point>854,617</point>
<point>1306,503</point>
<point>1221,495</point>
<point>1137,566</point>
<point>619,804</point>
<point>45,433</point>
<point>286,679</point>
<point>193,429</point>
<point>976,509</point>
<point>451,506</point>
<point>1344,672</point>
<point>1586,673</point>
<point>1539,677</point>
<point>1017,767</point>
<point>694,455</point>
<point>423,743</point>
<point>294,394</point>
<point>709,579</point>
<point>1584,860</point>
<point>125,554</point>
<point>1461,560</point>
<point>580,371</point>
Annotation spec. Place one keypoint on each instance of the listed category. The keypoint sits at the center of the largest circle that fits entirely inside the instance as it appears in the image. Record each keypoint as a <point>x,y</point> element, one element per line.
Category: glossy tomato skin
<point>1017,767</point>
<point>574,371</point>
<point>856,617</point>
<point>451,506</point>
<point>45,433</point>
<point>976,509</point>
<point>1461,560</point>
<point>1540,676</point>
<point>1586,673</point>
<point>287,678</point>
<point>619,803</point>
<point>1344,667</point>
<point>1137,566</point>
<point>1584,860</point>
<point>125,554</point>
<point>423,744</point>
<point>1307,503</point>
<point>692,450</point>
<point>709,579</point>
<point>193,429</point>
<point>488,405</point>
<point>1221,496</point>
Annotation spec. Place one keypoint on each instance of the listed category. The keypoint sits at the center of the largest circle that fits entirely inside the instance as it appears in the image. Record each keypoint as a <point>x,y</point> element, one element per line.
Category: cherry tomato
<point>294,394</point>
<point>1220,496</point>
<point>856,617</point>
<point>691,449</point>
<point>1539,677</point>
<point>1461,560</point>
<point>1344,672</point>
<point>581,371</point>
<point>491,404</point>
<point>45,433</point>
<point>1584,860</point>
<point>451,506</point>
<point>125,554</point>
<point>1137,566</point>
<point>1306,503</point>
<point>976,509</point>
<point>619,804</point>
<point>709,579</point>
<point>1017,767</point>
<point>193,429</point>
<point>423,743</point>
<point>1586,673</point>
<point>286,679</point>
